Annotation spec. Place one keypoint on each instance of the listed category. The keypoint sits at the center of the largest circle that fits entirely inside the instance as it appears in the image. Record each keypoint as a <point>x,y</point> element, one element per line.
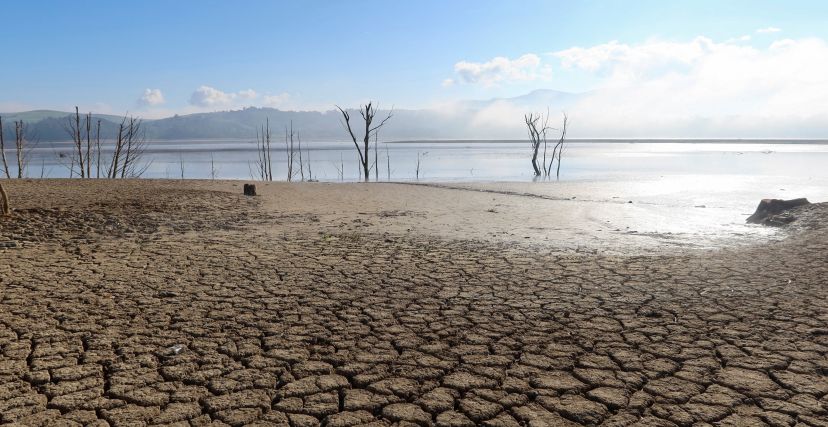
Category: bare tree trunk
<point>388,162</point>
<point>116,154</point>
<point>269,171</point>
<point>98,149</point>
<point>4,201</point>
<point>560,145</point>
<point>3,151</point>
<point>89,145</point>
<point>536,138</point>
<point>19,131</point>
<point>376,157</point>
<point>290,151</point>
<point>79,143</point>
<point>310,173</point>
<point>301,163</point>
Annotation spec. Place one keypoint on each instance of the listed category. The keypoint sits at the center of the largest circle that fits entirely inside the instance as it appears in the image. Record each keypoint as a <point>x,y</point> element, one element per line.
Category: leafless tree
<point>310,172</point>
<point>3,151</point>
<point>536,125</point>
<point>388,162</point>
<point>130,144</point>
<point>73,128</point>
<point>368,112</point>
<point>98,150</point>
<point>264,164</point>
<point>213,170</point>
<point>301,163</point>
<point>376,157</point>
<point>21,148</point>
<point>538,128</point>
<point>289,149</point>
<point>558,150</point>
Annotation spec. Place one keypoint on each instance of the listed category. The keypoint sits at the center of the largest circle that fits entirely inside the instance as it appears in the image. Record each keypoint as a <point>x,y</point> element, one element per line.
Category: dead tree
<point>537,127</point>
<point>289,150</point>
<point>4,201</point>
<point>20,147</point>
<point>3,151</point>
<point>367,112</point>
<point>130,144</point>
<point>89,145</point>
<point>559,146</point>
<point>98,149</point>
<point>264,165</point>
<point>301,162</point>
<point>4,197</point>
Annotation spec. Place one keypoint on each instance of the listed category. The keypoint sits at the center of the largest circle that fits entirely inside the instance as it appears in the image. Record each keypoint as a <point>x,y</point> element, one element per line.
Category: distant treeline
<point>240,124</point>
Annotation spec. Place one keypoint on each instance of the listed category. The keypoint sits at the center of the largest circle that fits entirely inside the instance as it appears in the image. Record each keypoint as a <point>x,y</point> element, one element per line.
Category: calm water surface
<point>468,160</point>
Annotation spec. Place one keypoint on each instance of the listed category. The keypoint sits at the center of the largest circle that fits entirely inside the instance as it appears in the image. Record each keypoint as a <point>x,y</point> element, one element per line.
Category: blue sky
<point>186,56</point>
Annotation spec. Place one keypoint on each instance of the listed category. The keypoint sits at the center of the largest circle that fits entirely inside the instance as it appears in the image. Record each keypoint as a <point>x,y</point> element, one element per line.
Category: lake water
<point>448,161</point>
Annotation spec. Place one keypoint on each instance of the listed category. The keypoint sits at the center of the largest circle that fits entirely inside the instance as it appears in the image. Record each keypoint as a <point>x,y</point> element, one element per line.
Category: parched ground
<point>151,302</point>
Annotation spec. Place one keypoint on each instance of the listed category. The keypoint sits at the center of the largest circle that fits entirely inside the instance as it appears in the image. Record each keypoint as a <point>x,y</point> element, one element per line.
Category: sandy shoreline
<point>161,302</point>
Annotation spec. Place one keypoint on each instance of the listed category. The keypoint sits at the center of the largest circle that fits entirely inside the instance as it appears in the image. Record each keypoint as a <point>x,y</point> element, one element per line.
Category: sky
<point>673,67</point>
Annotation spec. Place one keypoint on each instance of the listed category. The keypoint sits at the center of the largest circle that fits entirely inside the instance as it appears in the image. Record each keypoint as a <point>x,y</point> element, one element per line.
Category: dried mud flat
<point>149,303</point>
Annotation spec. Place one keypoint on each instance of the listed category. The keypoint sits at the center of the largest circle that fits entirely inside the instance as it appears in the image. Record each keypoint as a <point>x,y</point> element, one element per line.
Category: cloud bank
<point>693,88</point>
<point>207,97</point>
<point>500,70</point>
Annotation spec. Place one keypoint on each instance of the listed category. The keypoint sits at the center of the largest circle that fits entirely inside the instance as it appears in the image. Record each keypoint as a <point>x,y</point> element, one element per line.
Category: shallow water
<point>442,161</point>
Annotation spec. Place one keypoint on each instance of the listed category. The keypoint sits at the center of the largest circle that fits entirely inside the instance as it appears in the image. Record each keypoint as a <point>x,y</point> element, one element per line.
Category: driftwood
<point>772,211</point>
<point>249,189</point>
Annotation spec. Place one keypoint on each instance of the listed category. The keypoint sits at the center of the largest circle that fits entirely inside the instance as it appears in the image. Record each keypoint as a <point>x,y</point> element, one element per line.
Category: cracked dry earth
<point>147,304</point>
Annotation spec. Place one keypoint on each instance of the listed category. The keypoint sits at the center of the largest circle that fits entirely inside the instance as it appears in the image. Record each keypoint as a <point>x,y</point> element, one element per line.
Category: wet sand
<point>186,303</point>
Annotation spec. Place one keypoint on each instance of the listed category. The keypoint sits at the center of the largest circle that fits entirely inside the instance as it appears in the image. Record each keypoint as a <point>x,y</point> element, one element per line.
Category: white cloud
<point>248,94</point>
<point>151,97</point>
<point>276,100</point>
<point>448,82</point>
<point>768,30</point>
<point>703,88</point>
<point>501,70</point>
<point>206,96</point>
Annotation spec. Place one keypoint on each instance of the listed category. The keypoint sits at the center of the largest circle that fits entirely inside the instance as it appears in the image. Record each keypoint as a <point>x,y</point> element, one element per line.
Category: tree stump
<point>249,189</point>
<point>769,211</point>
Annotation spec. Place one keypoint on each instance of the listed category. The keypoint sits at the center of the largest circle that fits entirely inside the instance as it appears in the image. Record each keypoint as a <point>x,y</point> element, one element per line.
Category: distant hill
<point>465,119</point>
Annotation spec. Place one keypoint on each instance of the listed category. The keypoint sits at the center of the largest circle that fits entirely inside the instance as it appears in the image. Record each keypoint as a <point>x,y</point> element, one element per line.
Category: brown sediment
<point>161,302</point>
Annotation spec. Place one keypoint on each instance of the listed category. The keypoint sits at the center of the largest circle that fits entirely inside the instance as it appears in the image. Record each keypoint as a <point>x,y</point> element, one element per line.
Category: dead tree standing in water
<point>537,127</point>
<point>20,147</point>
<point>3,151</point>
<point>264,165</point>
<point>367,112</point>
<point>289,149</point>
